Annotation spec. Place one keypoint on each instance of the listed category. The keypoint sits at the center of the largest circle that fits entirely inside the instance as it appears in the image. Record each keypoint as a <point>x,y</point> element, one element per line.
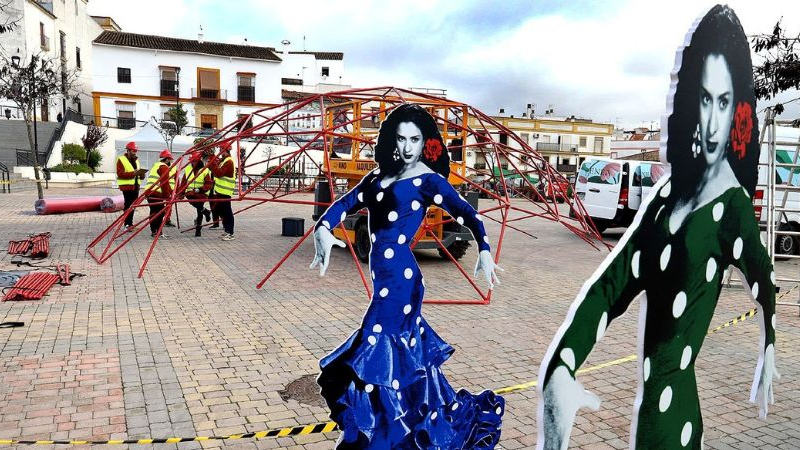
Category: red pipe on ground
<point>68,205</point>
<point>112,204</point>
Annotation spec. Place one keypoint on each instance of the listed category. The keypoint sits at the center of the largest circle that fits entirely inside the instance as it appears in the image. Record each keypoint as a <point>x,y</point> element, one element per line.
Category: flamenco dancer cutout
<point>697,222</point>
<point>384,385</point>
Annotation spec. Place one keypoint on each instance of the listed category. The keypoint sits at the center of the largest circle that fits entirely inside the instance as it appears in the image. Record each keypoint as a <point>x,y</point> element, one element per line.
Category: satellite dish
<point>285,42</point>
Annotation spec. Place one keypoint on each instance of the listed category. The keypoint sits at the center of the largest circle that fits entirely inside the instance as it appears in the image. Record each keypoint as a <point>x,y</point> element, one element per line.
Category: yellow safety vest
<point>199,180</point>
<point>126,164</point>
<point>152,179</point>
<point>224,185</point>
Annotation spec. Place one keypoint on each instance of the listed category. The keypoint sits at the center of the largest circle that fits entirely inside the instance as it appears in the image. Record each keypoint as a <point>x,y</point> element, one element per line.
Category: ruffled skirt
<point>385,390</point>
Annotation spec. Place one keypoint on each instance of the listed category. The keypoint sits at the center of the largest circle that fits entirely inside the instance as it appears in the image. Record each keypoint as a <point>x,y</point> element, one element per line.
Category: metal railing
<point>246,94</point>
<point>126,123</point>
<point>25,157</point>
<point>210,94</point>
<point>556,147</point>
<point>5,178</point>
<point>169,88</point>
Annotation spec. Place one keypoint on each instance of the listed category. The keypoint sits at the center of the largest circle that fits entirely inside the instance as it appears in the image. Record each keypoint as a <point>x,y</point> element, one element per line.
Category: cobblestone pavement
<point>192,348</point>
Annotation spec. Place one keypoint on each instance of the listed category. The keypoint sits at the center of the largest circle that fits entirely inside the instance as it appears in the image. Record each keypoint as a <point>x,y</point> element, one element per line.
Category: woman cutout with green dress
<point>695,224</point>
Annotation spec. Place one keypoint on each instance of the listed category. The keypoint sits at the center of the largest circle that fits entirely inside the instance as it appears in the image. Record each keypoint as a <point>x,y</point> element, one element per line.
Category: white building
<point>138,77</point>
<point>565,142</point>
<point>639,143</point>
<point>61,30</point>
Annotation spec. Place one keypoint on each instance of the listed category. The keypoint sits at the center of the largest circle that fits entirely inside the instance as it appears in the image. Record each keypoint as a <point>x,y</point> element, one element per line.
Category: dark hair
<point>718,33</point>
<point>387,140</point>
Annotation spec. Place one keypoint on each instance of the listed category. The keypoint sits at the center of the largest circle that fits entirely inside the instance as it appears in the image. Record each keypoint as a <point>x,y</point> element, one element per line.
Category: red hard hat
<point>165,154</point>
<point>225,146</point>
<point>132,147</point>
<point>194,157</point>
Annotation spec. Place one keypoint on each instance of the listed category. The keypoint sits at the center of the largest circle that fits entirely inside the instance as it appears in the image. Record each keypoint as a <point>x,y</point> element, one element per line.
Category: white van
<point>789,220</point>
<point>612,190</point>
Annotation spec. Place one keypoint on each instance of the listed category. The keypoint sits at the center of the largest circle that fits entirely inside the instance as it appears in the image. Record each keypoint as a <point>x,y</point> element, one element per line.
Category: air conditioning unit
<point>535,135</point>
<point>469,153</point>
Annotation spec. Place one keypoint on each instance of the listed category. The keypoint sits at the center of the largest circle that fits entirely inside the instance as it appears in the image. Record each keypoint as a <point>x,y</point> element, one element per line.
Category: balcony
<point>247,94</point>
<point>126,123</point>
<point>555,147</point>
<point>210,94</point>
<point>169,88</point>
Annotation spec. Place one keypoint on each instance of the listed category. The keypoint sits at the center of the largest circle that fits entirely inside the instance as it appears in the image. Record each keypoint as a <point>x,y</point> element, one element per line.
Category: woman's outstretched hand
<point>764,396</point>
<point>562,398</point>
<point>487,266</point>
<point>323,242</point>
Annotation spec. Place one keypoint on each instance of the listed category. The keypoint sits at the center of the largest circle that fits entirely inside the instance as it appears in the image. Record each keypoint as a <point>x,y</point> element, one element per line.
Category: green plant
<point>74,168</point>
<point>73,154</point>
<point>94,159</point>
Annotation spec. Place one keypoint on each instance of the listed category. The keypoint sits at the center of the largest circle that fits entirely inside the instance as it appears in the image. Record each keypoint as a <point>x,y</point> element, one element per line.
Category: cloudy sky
<point>608,60</point>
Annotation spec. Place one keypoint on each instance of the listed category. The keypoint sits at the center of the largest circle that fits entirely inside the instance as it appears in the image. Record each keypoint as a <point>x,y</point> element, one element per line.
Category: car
<point>612,190</point>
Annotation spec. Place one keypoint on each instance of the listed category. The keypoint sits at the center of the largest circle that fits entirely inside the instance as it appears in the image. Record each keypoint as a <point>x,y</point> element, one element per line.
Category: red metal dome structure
<point>323,143</point>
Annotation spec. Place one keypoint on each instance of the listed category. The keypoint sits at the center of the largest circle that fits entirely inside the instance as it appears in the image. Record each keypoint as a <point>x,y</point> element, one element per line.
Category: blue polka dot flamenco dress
<point>384,385</point>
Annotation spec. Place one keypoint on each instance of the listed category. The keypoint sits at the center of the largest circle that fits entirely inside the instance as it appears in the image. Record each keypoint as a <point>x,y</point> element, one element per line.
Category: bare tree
<point>28,85</point>
<point>780,69</point>
<point>9,16</point>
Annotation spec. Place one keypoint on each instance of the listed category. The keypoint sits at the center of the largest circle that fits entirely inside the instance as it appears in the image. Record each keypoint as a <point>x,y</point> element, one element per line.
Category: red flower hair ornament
<point>742,130</point>
<point>433,149</point>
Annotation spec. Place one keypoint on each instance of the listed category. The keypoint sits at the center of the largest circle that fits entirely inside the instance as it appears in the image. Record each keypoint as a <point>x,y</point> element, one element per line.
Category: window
<point>524,137</point>
<point>582,142</point>
<point>598,144</point>
<point>63,45</point>
<point>326,71</point>
<point>76,7</point>
<point>169,82</point>
<point>63,81</point>
<point>165,112</point>
<point>208,121</point>
<point>42,37</point>
<point>126,115</point>
<point>208,83</point>
<point>78,57</point>
<point>503,138</point>
<point>247,87</point>
<point>123,75</point>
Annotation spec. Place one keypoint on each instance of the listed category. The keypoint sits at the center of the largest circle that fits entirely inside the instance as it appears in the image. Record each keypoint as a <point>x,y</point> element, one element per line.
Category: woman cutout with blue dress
<point>384,385</point>
<point>698,222</point>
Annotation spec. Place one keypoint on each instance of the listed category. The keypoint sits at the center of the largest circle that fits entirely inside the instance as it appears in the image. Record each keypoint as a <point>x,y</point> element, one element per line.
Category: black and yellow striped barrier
<point>327,427</point>
<point>323,427</point>
<point>735,320</point>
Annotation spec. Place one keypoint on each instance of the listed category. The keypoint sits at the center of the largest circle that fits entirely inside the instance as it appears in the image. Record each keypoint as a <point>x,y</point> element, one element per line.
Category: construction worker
<point>224,184</point>
<point>128,176</point>
<point>160,184</point>
<point>197,179</point>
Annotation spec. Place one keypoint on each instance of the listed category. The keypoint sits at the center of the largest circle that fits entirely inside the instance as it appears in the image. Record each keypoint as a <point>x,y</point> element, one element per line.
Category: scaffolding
<point>336,146</point>
<point>781,234</point>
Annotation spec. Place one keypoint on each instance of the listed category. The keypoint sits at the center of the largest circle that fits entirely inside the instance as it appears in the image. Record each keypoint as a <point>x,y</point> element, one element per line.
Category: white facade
<point>143,92</point>
<point>564,143</point>
<point>315,69</point>
<point>41,28</point>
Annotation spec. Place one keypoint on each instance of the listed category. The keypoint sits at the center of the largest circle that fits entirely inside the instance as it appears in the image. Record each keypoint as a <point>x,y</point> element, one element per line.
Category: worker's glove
<point>323,242</point>
<point>486,265</point>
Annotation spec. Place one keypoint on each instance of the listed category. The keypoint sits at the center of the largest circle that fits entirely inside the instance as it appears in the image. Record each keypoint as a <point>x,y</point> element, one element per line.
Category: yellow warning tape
<point>325,427</point>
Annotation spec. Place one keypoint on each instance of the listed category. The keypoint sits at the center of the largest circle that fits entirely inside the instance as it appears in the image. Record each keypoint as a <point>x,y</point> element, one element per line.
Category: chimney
<point>200,35</point>
<point>530,109</point>
<point>502,111</point>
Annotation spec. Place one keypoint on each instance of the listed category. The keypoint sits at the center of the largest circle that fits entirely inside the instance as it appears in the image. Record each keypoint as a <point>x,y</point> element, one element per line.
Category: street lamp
<point>15,61</point>
<point>177,97</point>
